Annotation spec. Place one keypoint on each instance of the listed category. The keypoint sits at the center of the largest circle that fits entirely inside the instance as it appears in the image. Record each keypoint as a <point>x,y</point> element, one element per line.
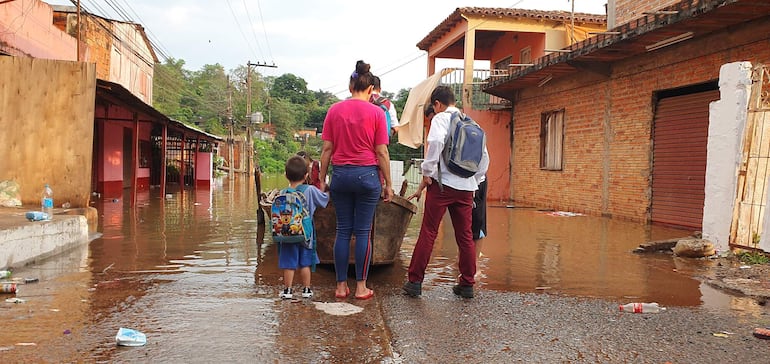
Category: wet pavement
<point>196,274</point>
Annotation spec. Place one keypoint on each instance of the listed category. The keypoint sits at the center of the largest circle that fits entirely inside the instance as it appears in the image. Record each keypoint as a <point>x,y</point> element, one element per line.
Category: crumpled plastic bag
<point>9,194</point>
<point>130,337</point>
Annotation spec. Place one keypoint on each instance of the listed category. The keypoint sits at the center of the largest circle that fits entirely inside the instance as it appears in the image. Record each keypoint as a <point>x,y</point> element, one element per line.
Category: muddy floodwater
<point>194,272</point>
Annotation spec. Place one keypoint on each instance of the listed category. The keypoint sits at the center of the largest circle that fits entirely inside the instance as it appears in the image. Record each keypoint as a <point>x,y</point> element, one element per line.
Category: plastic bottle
<point>8,288</point>
<point>5,274</point>
<point>47,202</point>
<point>638,307</point>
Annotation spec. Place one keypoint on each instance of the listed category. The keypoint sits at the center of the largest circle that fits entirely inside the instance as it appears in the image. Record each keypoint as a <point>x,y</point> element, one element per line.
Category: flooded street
<point>195,273</point>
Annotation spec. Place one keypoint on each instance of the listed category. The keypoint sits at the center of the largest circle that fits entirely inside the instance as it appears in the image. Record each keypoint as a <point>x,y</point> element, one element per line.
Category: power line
<point>251,26</point>
<point>99,20</point>
<point>156,41</point>
<point>264,31</point>
<point>424,54</point>
<point>388,71</point>
<point>240,28</point>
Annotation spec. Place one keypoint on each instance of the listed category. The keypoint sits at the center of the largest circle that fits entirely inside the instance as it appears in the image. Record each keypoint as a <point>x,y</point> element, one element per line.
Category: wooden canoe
<point>390,224</point>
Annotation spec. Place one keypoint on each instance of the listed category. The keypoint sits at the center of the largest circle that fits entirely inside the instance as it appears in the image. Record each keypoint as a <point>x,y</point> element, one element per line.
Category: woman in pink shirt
<point>356,145</point>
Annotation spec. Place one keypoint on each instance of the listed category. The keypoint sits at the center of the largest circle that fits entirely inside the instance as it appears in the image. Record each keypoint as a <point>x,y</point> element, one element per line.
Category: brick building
<point>121,50</point>
<point>618,124</point>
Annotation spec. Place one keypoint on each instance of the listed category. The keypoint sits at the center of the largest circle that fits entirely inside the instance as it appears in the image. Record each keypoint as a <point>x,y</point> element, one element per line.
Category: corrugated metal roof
<point>457,16</point>
<point>117,94</point>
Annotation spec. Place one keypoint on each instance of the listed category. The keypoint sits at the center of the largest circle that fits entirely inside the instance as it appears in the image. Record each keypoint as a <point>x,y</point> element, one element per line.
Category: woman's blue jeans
<point>355,192</point>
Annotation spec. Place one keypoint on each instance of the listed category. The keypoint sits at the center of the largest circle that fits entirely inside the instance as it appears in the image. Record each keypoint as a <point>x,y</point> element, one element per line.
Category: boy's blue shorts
<point>295,256</point>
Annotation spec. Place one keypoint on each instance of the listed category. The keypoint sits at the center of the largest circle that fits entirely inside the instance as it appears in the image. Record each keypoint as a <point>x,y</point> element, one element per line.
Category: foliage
<point>169,86</point>
<point>273,155</point>
<point>325,98</point>
<point>397,151</point>
<point>219,163</point>
<point>215,100</point>
<point>291,88</point>
<point>753,257</point>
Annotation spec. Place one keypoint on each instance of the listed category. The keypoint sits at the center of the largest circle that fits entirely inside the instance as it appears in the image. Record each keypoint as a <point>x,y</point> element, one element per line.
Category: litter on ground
<point>337,308</point>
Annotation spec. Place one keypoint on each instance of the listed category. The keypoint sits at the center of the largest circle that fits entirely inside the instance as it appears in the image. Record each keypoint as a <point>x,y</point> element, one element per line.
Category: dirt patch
<point>731,274</point>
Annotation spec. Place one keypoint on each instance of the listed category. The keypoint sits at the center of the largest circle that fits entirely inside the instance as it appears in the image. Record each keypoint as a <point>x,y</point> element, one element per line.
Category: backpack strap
<point>302,188</point>
<point>456,115</point>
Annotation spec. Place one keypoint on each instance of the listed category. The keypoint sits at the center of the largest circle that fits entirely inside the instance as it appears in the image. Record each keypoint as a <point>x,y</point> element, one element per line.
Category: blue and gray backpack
<point>464,146</point>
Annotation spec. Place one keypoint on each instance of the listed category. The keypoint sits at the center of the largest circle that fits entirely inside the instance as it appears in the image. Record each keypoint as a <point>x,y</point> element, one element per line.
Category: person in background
<point>385,104</point>
<point>355,140</point>
<point>314,169</point>
<point>293,257</point>
<point>429,113</point>
<point>479,215</point>
<point>455,196</point>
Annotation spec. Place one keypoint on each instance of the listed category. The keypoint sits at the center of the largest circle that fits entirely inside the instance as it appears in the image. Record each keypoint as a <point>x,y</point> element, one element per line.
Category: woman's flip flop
<point>366,296</point>
<point>347,292</point>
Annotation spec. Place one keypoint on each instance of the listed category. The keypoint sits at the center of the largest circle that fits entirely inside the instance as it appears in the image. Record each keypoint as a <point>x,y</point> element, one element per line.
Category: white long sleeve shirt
<point>439,126</point>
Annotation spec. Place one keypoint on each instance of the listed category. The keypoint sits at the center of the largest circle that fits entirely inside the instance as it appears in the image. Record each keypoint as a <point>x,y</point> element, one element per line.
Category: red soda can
<point>7,287</point>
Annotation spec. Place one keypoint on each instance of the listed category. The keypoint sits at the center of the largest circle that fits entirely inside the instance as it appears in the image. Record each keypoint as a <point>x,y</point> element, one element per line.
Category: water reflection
<point>530,250</point>
<point>195,261</point>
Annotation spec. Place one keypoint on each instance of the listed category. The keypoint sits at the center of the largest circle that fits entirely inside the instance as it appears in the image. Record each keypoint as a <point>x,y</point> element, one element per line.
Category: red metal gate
<point>680,135</point>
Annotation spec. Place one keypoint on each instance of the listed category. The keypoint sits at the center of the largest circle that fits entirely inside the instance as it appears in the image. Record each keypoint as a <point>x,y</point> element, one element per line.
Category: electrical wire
<point>162,50</point>
<point>251,22</point>
<point>240,28</point>
<point>264,31</point>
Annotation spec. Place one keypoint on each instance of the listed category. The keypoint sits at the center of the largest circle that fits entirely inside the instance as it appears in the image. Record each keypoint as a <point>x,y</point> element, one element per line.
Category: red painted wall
<point>26,29</point>
<point>497,127</point>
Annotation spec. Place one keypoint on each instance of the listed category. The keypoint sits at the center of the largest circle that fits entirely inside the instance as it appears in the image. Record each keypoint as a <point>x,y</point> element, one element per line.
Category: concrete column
<point>469,54</point>
<point>727,121</point>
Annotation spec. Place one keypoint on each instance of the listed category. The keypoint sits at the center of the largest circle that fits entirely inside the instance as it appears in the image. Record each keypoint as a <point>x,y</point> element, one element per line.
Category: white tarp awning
<point>410,131</point>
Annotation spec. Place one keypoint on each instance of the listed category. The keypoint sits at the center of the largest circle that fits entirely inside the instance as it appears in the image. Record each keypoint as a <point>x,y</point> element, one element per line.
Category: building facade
<point>508,39</point>
<point>619,124</point>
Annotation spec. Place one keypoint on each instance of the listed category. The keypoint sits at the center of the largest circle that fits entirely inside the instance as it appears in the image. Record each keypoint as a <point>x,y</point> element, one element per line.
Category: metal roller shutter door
<point>680,135</point>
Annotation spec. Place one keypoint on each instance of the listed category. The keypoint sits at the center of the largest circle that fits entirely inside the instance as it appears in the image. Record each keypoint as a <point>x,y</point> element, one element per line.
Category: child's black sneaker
<point>286,294</point>
<point>307,292</point>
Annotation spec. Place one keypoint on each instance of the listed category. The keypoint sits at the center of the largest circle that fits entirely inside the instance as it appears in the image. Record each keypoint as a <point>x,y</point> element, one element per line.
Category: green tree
<point>170,83</point>
<point>210,87</point>
<point>397,151</point>
<point>318,113</point>
<point>292,88</point>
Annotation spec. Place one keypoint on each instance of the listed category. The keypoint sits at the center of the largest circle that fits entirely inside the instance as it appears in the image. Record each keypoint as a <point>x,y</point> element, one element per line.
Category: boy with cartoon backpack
<point>294,206</point>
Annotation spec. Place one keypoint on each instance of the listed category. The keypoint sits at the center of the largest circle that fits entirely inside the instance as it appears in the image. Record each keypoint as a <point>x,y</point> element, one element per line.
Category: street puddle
<point>569,254</point>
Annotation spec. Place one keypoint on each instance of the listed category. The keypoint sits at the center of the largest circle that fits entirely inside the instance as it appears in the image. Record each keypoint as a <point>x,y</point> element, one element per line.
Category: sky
<point>319,41</point>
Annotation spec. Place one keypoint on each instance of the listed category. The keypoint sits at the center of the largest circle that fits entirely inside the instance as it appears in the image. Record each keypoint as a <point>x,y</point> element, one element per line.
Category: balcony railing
<point>479,99</point>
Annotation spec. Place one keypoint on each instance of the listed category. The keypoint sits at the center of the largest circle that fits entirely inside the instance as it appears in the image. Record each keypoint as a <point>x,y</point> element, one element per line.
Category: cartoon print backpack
<point>384,104</point>
<point>290,218</point>
<point>464,146</point>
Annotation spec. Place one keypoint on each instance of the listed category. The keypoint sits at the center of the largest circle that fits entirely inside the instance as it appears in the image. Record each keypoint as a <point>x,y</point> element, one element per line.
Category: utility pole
<point>257,177</point>
<point>248,107</point>
<point>230,141</point>
<point>77,32</point>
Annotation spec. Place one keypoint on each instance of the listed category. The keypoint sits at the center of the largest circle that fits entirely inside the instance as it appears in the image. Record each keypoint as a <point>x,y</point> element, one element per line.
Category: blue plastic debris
<point>130,337</point>
<point>36,216</point>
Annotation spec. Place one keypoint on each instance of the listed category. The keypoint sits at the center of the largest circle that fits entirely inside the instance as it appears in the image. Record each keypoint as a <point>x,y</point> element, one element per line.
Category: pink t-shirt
<point>355,127</point>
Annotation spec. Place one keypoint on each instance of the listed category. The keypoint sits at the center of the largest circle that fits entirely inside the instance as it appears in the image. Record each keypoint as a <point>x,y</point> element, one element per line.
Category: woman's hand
<point>387,193</point>
<point>426,181</point>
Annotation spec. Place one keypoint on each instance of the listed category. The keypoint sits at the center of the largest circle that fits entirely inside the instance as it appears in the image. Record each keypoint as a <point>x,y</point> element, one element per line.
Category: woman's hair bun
<point>362,67</point>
